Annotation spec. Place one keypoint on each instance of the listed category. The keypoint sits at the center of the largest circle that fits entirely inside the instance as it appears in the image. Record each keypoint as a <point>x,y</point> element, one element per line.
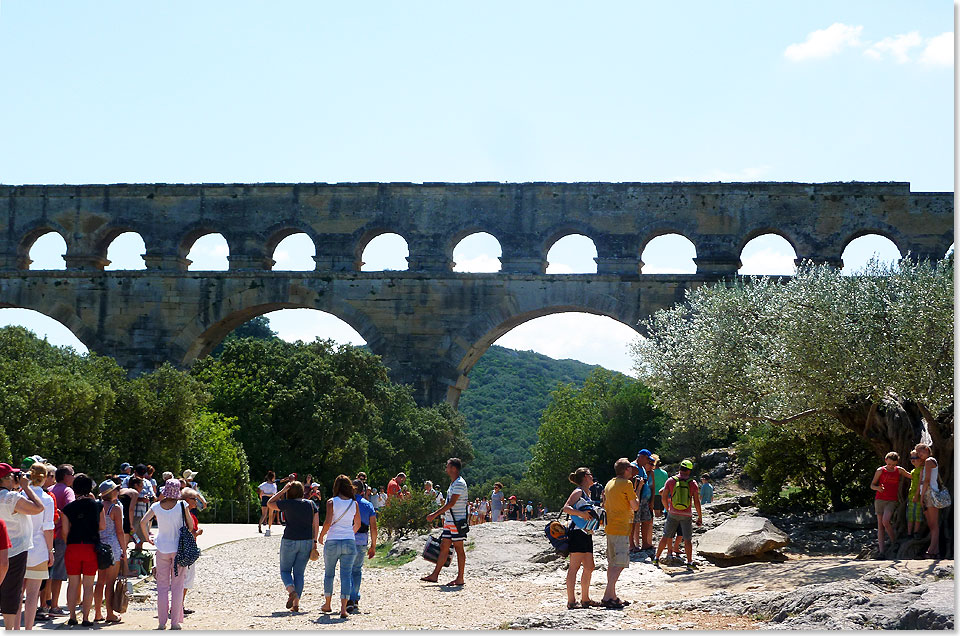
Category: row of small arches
<point>476,253</point>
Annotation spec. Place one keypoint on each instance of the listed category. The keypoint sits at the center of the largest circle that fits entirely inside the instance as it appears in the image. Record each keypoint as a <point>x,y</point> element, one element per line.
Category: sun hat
<point>171,489</point>
<point>107,486</point>
<point>6,469</point>
<point>189,474</point>
<point>686,464</point>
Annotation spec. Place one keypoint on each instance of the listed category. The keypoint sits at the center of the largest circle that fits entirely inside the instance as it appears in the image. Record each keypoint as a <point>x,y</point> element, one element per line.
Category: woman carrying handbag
<point>171,516</point>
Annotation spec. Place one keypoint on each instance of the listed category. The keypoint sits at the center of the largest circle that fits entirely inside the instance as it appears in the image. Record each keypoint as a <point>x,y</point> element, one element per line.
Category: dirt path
<point>238,587</point>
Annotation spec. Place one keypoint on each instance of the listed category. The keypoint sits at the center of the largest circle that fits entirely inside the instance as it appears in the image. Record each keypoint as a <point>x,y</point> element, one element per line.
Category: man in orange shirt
<point>620,502</point>
<point>393,488</point>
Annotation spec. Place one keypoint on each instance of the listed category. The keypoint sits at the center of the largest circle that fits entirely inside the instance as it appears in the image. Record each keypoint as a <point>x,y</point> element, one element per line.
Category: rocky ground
<point>515,582</point>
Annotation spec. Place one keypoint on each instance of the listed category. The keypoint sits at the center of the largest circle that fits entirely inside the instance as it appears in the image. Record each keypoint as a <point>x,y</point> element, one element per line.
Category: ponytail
<point>576,477</point>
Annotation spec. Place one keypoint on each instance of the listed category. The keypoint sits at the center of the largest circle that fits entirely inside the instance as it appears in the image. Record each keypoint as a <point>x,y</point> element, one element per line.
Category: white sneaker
<point>266,532</point>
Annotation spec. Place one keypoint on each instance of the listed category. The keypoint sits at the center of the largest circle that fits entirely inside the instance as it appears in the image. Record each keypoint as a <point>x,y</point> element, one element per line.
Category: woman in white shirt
<point>339,529</point>
<point>40,556</point>
<point>171,514</point>
<point>16,508</point>
<point>266,490</point>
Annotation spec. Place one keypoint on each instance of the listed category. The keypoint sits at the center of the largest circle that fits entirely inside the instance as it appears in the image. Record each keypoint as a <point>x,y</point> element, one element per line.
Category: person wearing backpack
<point>580,543</point>
<point>680,494</point>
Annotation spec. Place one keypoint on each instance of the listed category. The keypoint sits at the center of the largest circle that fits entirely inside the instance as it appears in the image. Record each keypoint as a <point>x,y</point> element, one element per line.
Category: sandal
<point>114,621</point>
<point>574,605</point>
<point>72,622</point>
<point>931,555</point>
<point>622,602</point>
<point>612,604</point>
<point>590,604</point>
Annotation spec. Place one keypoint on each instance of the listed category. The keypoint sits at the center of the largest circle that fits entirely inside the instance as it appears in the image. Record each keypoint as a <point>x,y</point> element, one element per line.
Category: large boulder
<point>853,519</point>
<point>715,457</point>
<point>741,537</point>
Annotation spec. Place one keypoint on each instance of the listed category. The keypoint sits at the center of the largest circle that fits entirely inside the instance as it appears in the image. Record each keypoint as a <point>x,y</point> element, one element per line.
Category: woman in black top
<point>581,543</point>
<point>82,521</point>
<point>299,537</point>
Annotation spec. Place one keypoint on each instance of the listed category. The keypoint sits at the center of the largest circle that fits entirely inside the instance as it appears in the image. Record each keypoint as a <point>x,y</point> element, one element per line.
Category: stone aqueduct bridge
<point>429,323</point>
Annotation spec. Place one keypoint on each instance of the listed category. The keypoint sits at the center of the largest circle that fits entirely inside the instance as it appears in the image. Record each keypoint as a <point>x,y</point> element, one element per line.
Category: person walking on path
<point>266,490</point>
<point>62,493</point>
<point>680,495</point>
<point>929,487</point>
<point>368,529</point>
<point>914,507</point>
<point>886,483</point>
<point>83,520</point>
<point>580,505</point>
<point>620,502</point>
<point>299,538</point>
<point>496,500</point>
<point>40,556</point>
<point>171,515</point>
<point>455,525</point>
<point>110,535</point>
<point>339,542</point>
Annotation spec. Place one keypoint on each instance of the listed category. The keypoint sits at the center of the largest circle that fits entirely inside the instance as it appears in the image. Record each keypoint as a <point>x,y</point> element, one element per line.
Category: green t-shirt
<point>915,476</point>
<point>660,478</point>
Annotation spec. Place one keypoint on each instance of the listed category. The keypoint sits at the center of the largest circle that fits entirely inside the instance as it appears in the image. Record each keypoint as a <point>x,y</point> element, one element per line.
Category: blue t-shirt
<point>366,512</point>
<point>706,493</point>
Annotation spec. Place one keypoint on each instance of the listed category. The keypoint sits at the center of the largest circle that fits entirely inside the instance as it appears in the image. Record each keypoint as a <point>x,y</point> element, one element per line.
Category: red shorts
<point>80,559</point>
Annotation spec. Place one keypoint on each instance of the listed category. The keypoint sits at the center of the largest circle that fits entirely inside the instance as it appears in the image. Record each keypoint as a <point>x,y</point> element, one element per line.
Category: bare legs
<point>932,515</point>
<point>579,560</point>
<point>105,580</point>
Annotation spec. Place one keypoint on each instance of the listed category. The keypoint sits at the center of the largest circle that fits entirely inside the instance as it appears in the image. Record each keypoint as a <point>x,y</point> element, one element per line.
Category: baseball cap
<point>686,464</point>
<point>125,466</point>
<point>27,463</point>
<point>644,452</point>
<point>6,469</point>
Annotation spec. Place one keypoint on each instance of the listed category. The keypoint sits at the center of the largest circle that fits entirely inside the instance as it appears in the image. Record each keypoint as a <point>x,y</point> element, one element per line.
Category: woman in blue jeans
<point>338,539</point>
<point>299,538</point>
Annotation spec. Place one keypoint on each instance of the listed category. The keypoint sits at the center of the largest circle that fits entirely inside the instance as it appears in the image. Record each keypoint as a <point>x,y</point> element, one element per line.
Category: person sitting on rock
<point>886,482</point>
<point>680,494</point>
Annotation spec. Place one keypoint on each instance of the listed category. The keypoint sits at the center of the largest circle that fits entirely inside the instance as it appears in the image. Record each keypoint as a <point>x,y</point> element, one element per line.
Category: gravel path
<point>512,582</point>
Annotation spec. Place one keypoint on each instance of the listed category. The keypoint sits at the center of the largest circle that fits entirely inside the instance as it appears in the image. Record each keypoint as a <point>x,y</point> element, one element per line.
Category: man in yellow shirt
<point>620,502</point>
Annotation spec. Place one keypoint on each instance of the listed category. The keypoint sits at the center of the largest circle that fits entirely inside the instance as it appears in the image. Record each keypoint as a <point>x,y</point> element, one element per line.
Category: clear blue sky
<point>108,92</point>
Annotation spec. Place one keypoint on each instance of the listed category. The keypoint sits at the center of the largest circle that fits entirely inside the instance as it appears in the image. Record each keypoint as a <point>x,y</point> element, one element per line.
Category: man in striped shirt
<point>455,523</point>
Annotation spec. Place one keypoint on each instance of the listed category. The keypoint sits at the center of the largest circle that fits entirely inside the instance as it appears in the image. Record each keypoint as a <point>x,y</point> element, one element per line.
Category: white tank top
<point>934,478</point>
<point>341,525</point>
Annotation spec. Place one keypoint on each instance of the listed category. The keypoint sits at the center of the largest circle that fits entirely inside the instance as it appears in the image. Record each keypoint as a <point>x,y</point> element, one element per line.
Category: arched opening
<point>521,370</point>
<point>293,325</point>
<point>295,254</point>
<point>477,253</point>
<point>42,326</point>
<point>669,254</point>
<point>573,254</point>
<point>768,255</point>
<point>209,253</point>
<point>863,249</point>
<point>47,252</point>
<point>126,252</point>
<point>386,252</point>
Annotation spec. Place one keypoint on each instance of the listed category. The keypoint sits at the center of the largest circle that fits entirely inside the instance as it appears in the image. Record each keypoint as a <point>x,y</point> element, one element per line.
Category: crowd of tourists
<point>57,525</point>
<point>625,506</point>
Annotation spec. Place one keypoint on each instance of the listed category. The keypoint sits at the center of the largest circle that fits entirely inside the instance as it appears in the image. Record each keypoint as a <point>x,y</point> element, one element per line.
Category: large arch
<point>61,313</point>
<point>205,332</point>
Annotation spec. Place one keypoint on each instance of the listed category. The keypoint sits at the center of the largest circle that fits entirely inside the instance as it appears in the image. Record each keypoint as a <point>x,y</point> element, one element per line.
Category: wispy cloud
<point>901,48</point>
<point>897,47</point>
<point>824,43</point>
<point>939,50</point>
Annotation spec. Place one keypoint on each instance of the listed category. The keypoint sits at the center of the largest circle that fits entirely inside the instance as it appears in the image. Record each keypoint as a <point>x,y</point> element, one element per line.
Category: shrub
<point>403,515</point>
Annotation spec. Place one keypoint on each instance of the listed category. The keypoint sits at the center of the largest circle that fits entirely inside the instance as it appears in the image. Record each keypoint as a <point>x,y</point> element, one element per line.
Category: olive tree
<point>874,352</point>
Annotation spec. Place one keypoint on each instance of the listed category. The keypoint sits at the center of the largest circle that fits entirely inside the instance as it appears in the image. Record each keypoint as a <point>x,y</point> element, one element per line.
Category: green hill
<point>508,391</point>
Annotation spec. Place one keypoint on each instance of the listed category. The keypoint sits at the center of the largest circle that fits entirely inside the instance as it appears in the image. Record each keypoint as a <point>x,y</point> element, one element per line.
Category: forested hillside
<point>508,391</point>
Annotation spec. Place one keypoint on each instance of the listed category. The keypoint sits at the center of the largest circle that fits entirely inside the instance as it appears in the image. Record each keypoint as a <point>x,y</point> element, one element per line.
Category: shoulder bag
<point>121,597</point>
<point>187,550</point>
